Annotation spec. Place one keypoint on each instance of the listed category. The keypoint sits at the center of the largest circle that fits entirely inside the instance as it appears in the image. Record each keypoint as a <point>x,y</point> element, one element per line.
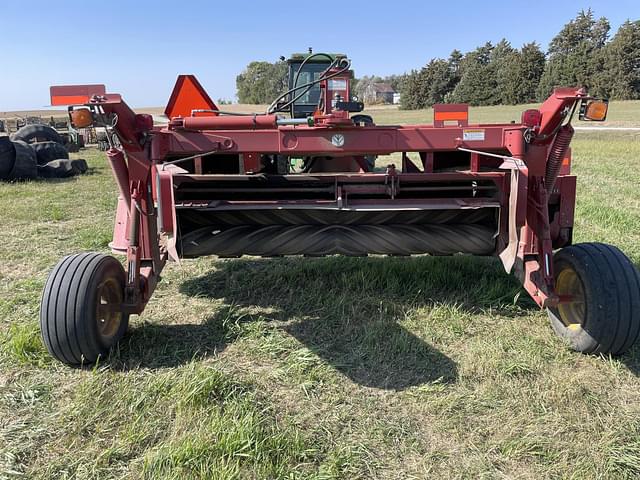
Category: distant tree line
<point>580,54</point>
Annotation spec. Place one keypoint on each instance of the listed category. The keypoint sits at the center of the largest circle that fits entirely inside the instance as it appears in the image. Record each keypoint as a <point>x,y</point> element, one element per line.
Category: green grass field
<point>621,114</point>
<point>385,368</point>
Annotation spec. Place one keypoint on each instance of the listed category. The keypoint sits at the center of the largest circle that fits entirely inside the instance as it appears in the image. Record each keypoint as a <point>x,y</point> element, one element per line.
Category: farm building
<point>379,93</point>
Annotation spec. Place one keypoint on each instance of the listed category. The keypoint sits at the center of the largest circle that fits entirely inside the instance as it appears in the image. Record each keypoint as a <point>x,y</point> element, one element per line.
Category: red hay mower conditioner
<point>304,183</point>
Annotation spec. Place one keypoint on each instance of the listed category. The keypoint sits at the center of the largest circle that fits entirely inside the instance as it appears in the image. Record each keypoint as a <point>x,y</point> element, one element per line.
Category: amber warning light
<point>594,110</point>
<point>81,117</point>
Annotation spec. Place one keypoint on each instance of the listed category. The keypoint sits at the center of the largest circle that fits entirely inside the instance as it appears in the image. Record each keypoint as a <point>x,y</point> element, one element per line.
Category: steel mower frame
<point>207,183</point>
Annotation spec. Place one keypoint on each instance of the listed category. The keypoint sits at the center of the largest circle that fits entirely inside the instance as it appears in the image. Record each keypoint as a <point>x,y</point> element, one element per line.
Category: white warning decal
<point>473,135</point>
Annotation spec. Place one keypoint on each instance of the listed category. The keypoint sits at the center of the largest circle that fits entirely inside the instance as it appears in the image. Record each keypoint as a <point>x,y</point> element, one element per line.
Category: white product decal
<point>473,135</point>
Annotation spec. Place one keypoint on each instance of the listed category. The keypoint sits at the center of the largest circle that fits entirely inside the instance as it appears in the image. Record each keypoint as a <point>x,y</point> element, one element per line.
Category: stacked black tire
<point>36,151</point>
<point>17,160</point>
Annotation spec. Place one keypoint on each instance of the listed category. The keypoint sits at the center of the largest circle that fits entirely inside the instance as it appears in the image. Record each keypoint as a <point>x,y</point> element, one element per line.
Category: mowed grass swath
<point>318,368</point>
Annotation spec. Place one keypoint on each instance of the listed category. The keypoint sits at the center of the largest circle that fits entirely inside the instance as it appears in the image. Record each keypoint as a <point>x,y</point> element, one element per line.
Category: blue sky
<point>137,48</point>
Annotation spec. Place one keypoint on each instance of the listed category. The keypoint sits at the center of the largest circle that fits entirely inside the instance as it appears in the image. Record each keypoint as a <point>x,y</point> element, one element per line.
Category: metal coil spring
<point>556,155</point>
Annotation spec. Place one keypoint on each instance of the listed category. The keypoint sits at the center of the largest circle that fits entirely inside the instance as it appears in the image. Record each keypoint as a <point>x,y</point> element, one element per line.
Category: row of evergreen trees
<point>500,74</point>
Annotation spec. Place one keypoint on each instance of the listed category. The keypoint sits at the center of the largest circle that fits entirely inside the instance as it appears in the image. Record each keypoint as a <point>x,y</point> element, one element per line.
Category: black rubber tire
<point>361,119</point>
<point>59,168</point>
<point>37,132</point>
<point>79,165</point>
<point>611,285</point>
<point>47,151</point>
<point>7,157</point>
<point>62,168</point>
<point>68,317</point>
<point>25,165</point>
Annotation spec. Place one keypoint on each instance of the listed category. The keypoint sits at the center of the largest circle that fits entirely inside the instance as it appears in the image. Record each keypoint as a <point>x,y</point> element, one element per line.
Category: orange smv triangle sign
<point>188,95</point>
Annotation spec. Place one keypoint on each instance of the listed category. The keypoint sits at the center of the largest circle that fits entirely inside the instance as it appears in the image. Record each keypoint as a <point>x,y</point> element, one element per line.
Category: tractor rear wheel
<point>600,299</point>
<point>80,313</point>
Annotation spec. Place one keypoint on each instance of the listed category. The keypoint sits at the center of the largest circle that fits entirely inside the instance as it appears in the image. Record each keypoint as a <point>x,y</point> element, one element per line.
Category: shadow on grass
<point>631,359</point>
<point>160,346</point>
<point>345,310</point>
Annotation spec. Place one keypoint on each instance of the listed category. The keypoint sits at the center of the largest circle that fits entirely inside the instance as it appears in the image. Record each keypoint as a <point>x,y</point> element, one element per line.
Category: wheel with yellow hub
<point>599,289</point>
<point>81,316</point>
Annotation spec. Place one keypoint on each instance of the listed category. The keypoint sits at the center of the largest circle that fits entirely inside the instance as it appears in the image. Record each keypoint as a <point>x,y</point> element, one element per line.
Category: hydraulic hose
<point>343,63</point>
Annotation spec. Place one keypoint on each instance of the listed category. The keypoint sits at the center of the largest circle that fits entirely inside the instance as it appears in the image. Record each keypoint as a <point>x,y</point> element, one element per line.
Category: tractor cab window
<point>313,94</point>
<point>309,73</point>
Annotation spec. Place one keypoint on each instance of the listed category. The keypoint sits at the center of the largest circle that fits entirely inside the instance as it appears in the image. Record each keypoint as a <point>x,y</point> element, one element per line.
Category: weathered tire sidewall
<point>34,131</point>
<point>577,339</point>
<point>7,157</point>
<point>80,165</point>
<point>25,165</point>
<point>48,151</point>
<point>107,268</point>
<point>62,168</point>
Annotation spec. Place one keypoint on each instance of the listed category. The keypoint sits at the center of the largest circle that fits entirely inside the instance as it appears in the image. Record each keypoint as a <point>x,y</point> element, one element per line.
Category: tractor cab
<point>306,68</point>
